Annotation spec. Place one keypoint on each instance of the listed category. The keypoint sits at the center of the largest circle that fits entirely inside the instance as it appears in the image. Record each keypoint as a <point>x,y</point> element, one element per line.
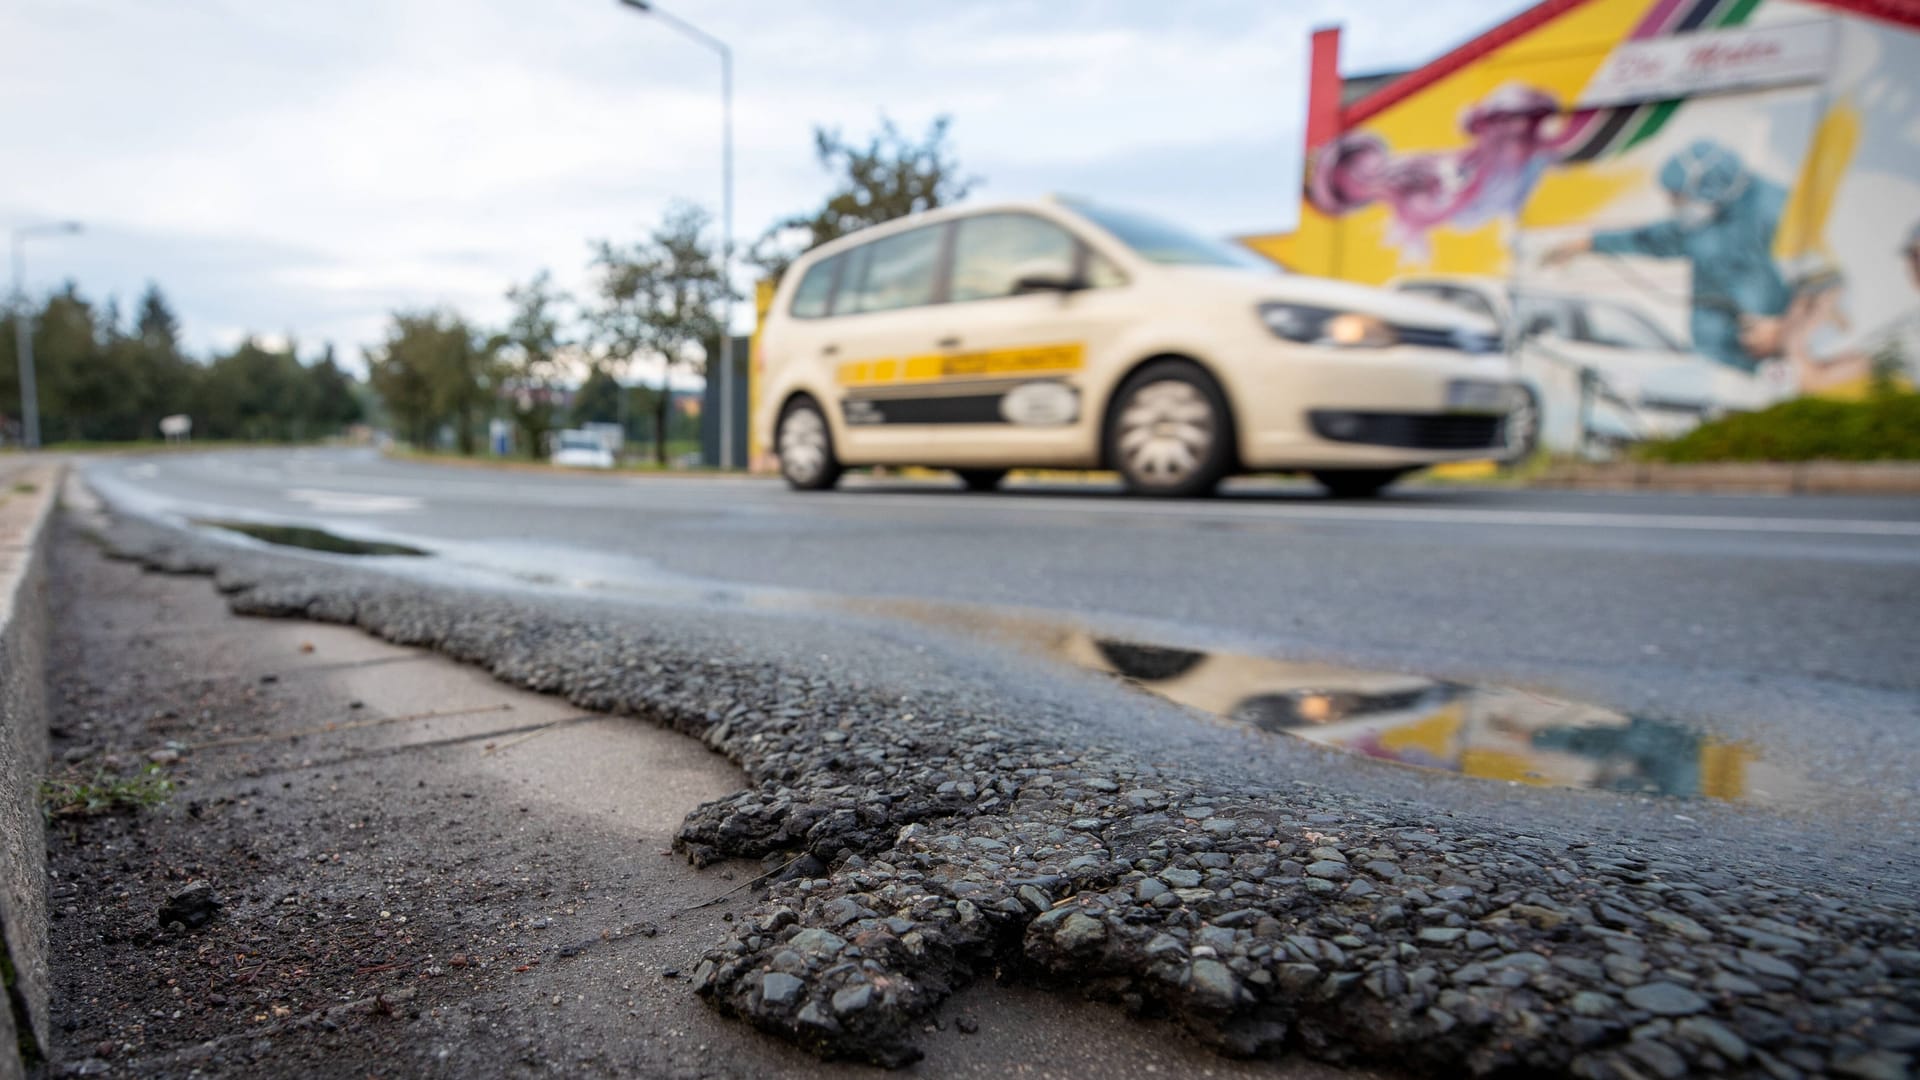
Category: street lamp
<point>647,7</point>
<point>23,333</point>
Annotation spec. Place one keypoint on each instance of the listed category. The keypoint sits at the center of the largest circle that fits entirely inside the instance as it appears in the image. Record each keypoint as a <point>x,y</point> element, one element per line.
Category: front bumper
<point>1315,407</point>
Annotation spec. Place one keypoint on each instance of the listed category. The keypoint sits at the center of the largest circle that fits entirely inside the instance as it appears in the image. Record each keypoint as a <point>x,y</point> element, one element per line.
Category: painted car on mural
<point>1595,372</point>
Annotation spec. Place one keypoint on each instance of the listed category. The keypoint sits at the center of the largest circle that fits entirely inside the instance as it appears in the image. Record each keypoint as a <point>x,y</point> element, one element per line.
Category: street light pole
<point>23,332</point>
<point>726,213</point>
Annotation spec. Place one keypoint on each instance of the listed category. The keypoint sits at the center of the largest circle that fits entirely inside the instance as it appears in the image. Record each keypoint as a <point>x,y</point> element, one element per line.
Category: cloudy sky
<point>286,167</point>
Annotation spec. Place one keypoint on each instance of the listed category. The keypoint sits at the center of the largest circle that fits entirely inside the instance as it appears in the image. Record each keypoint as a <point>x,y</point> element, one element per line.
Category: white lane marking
<point>353,502</point>
<point>1565,519</point>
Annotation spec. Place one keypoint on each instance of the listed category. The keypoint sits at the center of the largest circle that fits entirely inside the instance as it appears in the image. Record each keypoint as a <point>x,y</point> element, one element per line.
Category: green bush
<point>1883,427</point>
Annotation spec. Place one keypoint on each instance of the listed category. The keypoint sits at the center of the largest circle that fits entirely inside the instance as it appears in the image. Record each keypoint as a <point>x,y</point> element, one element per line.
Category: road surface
<point>898,657</point>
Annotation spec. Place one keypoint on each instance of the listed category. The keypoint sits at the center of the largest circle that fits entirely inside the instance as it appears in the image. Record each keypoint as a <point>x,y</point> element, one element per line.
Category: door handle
<point>949,342</point>
<point>829,350</point>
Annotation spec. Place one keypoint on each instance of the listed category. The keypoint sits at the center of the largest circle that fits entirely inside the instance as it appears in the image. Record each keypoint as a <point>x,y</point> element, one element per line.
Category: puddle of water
<point>1492,732</point>
<point>311,539</point>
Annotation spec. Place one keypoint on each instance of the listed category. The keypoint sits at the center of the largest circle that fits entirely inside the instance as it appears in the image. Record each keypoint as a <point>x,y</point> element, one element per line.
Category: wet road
<point>1787,623</point>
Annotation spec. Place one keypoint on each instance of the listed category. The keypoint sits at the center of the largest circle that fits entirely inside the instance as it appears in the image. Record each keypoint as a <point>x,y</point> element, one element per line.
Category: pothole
<point>300,536</point>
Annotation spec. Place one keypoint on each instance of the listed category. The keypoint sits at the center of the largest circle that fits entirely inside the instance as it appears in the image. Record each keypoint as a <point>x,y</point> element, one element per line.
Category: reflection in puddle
<point>1493,732</point>
<point>312,539</point>
<point>1499,733</point>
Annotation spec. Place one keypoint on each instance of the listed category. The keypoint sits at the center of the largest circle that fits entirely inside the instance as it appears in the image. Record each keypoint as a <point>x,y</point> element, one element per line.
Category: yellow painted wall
<point>1559,58</point>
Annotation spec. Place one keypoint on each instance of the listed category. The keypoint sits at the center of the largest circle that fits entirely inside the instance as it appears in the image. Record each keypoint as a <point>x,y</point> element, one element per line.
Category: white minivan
<point>1063,334</point>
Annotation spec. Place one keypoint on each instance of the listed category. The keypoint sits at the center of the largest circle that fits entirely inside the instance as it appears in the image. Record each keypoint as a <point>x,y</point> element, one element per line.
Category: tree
<point>659,297</point>
<point>531,348</point>
<point>332,404</point>
<point>434,369</point>
<point>156,324</point>
<point>889,177</point>
<point>598,399</point>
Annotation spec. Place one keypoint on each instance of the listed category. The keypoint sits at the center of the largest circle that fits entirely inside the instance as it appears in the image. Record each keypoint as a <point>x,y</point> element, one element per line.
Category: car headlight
<point>1324,326</point>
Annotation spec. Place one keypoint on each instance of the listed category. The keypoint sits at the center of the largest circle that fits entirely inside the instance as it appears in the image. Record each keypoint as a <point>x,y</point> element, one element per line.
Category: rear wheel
<point>1169,432</point>
<point>1357,483</point>
<point>805,445</point>
<point>981,479</point>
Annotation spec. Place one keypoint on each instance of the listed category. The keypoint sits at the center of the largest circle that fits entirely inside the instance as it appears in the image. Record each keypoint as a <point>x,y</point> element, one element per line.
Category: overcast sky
<point>301,167</point>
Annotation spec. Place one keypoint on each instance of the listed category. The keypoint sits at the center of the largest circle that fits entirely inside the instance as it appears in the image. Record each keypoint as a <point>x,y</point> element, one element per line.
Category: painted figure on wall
<point>1517,132</point>
<point>1724,218</point>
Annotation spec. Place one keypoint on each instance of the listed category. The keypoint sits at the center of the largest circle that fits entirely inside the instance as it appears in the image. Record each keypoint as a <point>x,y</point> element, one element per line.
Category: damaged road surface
<point>374,861</point>
<point>933,817</point>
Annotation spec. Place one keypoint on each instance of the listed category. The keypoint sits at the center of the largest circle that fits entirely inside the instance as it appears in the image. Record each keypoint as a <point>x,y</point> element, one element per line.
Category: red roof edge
<point>1323,87</point>
<point>1519,26</point>
<point>1900,12</point>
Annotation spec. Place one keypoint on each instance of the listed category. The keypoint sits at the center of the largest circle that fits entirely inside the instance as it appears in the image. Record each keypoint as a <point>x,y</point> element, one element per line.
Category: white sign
<point>1040,404</point>
<point>1712,61</point>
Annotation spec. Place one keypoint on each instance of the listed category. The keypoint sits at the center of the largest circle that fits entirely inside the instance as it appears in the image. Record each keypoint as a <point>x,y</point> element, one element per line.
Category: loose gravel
<point>916,846</point>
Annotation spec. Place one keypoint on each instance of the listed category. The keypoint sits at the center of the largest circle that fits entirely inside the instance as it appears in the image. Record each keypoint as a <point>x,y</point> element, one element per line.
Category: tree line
<point>439,376</point>
<point>104,378</point>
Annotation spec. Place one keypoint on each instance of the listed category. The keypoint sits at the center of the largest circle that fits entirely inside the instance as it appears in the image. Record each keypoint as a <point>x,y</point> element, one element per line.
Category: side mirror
<point>1048,281</point>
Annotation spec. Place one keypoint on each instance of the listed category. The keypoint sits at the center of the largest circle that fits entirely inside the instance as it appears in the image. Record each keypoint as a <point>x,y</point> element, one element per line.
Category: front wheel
<point>1520,430</point>
<point>1357,483</point>
<point>1169,433</point>
<point>806,447</point>
<point>981,479</point>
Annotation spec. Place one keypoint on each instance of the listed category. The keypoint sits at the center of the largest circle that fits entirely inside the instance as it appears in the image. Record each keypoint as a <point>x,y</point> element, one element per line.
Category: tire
<point>981,479</point>
<point>1357,483</point>
<point>1169,433</point>
<point>805,445</point>
<point>1521,429</point>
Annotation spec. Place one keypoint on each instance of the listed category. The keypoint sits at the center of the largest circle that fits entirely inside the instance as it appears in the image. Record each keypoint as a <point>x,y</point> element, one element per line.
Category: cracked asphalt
<point>946,808</point>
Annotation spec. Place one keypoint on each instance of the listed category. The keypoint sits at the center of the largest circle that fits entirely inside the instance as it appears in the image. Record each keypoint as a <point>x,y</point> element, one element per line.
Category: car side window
<point>1616,327</point>
<point>898,271</point>
<point>1540,315</point>
<point>992,252</point>
<point>815,291</point>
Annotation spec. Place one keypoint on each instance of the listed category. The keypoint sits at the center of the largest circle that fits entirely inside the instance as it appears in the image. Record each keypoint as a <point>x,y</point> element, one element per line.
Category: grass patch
<point>24,488</point>
<point>105,793</point>
<point>1885,426</point>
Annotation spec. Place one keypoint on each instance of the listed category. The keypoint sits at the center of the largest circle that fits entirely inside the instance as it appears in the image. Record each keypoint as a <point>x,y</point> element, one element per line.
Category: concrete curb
<point>28,491</point>
<point>1762,478</point>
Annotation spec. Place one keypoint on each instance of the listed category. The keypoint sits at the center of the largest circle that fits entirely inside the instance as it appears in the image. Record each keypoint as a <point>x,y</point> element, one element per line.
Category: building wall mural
<point>1673,207</point>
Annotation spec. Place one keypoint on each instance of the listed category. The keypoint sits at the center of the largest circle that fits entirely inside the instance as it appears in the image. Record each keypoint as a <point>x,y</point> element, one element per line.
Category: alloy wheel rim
<point>1166,432</point>
<point>803,445</point>
<point>1521,425</point>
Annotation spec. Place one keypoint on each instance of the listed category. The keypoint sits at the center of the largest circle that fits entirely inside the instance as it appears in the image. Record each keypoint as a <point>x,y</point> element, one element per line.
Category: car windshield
<point>1171,245</point>
<point>579,442</point>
